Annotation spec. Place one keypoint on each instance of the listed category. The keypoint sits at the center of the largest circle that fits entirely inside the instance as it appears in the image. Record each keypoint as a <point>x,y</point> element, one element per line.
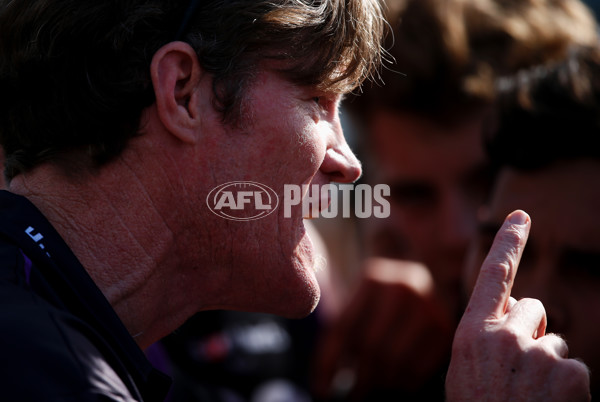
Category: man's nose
<point>340,164</point>
<point>457,221</point>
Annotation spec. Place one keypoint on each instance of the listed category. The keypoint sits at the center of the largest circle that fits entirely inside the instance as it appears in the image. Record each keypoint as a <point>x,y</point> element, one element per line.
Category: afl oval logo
<point>242,200</point>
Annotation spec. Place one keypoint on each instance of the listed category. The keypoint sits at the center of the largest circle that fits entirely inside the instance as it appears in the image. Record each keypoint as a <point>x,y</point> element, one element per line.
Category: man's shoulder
<point>49,354</point>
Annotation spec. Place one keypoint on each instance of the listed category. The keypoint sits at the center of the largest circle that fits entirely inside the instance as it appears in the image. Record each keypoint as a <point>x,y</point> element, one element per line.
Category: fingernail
<point>518,218</point>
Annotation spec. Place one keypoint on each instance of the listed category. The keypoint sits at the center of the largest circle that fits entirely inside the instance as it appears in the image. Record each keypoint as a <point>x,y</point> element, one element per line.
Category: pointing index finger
<point>492,291</point>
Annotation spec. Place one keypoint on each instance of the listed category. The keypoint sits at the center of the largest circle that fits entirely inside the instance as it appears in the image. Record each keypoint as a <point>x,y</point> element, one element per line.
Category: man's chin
<point>296,300</point>
<point>302,289</point>
<point>310,260</point>
<point>302,307</point>
<point>294,291</point>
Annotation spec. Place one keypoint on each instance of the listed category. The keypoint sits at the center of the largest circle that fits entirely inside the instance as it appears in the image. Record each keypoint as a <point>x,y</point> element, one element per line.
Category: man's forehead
<point>562,201</point>
<point>568,181</point>
<point>285,68</point>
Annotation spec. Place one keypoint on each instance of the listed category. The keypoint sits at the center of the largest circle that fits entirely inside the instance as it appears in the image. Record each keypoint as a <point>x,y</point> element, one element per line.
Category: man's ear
<point>176,75</point>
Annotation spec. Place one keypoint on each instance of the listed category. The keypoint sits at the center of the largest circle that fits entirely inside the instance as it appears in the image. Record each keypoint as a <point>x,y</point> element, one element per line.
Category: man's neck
<point>120,238</point>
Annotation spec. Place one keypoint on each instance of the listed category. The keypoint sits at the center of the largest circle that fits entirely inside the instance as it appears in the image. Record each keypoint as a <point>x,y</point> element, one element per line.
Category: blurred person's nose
<point>457,221</point>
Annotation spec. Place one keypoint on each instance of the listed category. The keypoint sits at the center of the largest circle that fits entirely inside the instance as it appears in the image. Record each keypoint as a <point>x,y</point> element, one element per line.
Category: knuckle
<point>506,246</point>
<point>498,270</point>
<point>576,369</point>
<point>507,337</point>
<point>576,377</point>
<point>557,343</point>
<point>509,237</point>
<point>556,338</point>
<point>532,304</point>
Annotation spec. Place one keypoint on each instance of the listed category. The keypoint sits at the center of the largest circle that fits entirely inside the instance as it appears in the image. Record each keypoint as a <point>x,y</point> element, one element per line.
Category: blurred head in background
<point>424,126</point>
<point>547,150</point>
<point>423,136</point>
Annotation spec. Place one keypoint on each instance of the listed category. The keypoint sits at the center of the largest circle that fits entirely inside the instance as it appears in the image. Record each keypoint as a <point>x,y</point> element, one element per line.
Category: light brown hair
<point>451,50</point>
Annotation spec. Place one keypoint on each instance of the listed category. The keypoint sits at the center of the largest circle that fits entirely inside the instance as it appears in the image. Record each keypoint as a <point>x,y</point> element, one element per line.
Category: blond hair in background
<point>450,51</point>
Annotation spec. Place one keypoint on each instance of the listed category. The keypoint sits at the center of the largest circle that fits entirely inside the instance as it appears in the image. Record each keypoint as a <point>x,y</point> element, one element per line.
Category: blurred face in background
<point>438,177</point>
<point>561,262</point>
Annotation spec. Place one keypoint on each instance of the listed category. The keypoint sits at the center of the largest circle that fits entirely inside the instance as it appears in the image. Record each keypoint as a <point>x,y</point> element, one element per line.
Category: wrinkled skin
<point>561,262</point>
<point>501,351</point>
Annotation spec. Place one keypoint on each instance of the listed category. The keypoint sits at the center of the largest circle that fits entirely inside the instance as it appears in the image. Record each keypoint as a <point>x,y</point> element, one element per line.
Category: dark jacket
<point>60,340</point>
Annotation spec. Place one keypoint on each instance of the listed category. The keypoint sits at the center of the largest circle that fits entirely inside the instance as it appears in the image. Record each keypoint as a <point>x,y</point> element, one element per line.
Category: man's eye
<point>413,195</point>
<point>327,102</point>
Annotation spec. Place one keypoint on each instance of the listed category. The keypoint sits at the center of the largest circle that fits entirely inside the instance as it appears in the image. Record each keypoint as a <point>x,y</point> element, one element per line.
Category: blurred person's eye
<point>413,194</point>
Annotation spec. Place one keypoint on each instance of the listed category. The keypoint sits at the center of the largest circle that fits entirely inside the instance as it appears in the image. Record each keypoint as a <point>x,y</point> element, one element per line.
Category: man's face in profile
<point>288,134</point>
<point>561,262</point>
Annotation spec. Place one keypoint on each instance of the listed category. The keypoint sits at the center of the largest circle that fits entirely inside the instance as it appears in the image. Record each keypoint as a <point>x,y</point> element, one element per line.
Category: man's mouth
<point>311,210</point>
<point>319,261</point>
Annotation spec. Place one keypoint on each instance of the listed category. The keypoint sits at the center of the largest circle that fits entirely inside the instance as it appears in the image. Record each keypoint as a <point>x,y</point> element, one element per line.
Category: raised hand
<point>501,351</point>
